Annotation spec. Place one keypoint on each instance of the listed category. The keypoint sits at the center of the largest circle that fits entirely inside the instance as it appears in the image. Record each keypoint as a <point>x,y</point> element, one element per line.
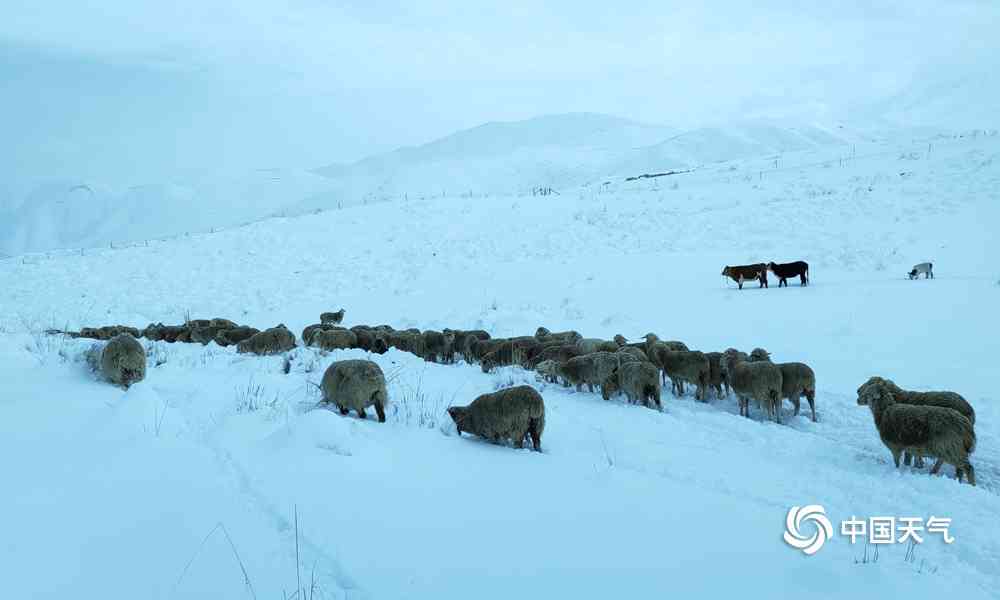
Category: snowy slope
<point>560,151</point>
<point>75,214</point>
<point>116,492</point>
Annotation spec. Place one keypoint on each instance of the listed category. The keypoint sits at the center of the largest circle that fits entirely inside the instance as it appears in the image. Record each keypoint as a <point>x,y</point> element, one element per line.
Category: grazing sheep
<point>205,333</point>
<point>925,268</point>
<point>799,268</point>
<point>355,385</point>
<point>639,380</point>
<point>591,345</point>
<point>512,413</point>
<point>462,345</point>
<point>943,399</point>
<point>549,370</point>
<point>560,353</point>
<point>566,337</point>
<point>716,378</point>
<point>107,332</point>
<point>370,340</point>
<point>270,341</point>
<point>921,430</point>
<point>760,381</point>
<point>332,318</point>
<point>438,346</point>
<point>123,360</point>
<point>741,273</point>
<point>590,369</point>
<point>167,333</point>
<point>334,339</point>
<point>311,330</point>
<point>797,380</point>
<point>232,337</point>
<point>505,352</point>
<point>683,366</point>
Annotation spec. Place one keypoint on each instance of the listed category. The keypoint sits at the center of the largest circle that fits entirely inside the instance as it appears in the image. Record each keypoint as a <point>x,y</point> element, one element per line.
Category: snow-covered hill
<point>557,151</point>
<point>123,493</point>
<point>80,214</point>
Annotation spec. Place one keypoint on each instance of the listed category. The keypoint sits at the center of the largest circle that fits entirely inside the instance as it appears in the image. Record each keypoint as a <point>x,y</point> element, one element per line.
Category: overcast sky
<point>133,91</point>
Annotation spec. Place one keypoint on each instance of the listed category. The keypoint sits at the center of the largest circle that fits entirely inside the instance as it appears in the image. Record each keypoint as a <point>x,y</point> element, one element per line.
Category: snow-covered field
<point>188,484</point>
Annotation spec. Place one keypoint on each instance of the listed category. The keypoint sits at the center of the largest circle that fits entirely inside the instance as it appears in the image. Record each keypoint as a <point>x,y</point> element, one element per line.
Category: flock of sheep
<point>911,424</point>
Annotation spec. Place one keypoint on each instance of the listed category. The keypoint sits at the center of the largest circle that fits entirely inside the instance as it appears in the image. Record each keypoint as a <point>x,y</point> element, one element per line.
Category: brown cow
<point>741,273</point>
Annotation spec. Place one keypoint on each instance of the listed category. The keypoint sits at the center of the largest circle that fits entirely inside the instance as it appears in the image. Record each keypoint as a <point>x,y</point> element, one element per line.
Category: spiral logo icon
<point>793,528</point>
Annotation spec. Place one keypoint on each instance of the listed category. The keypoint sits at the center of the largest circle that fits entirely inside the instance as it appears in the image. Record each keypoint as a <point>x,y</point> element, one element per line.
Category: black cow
<point>799,268</point>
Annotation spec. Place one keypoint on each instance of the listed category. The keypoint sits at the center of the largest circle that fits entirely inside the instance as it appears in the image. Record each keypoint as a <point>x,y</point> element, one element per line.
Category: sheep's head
<point>760,355</point>
<point>620,339</point>
<point>771,265</point>
<point>725,271</point>
<point>458,415</point>
<point>542,332</point>
<point>651,338</point>
<point>866,389</point>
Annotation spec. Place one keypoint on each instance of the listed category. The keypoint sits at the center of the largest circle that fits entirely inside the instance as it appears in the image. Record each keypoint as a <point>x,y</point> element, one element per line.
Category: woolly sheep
<point>760,381</point>
<point>334,339</point>
<point>683,366</point>
<point>566,337</point>
<point>167,333</point>
<point>549,370</point>
<point>107,332</point>
<point>921,430</point>
<point>591,345</point>
<point>716,378</point>
<point>231,337</point>
<point>639,380</point>
<point>270,341</point>
<point>504,352</point>
<point>311,330</point>
<point>332,318</point>
<point>205,333</point>
<point>123,360</point>
<point>559,353</point>
<point>355,385</point>
<point>512,413</point>
<point>631,353</point>
<point>939,398</point>
<point>463,341</point>
<point>797,380</point>
<point>438,346</point>
<point>590,369</point>
<point>369,340</point>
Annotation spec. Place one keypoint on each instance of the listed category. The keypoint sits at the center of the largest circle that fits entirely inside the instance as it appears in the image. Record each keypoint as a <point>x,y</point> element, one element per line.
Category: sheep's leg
<point>739,282</point>
<point>344,410</point>
<point>919,462</point>
<point>937,466</point>
<point>971,473</point>
<point>536,437</point>
<point>590,387</point>
<point>907,459</point>
<point>361,413</point>
<point>796,400</point>
<point>380,411</point>
<point>895,455</point>
<point>811,397</point>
